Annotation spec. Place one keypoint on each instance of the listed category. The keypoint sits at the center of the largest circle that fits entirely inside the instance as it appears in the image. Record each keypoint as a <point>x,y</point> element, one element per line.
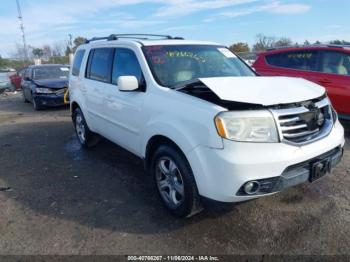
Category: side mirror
<point>128,83</point>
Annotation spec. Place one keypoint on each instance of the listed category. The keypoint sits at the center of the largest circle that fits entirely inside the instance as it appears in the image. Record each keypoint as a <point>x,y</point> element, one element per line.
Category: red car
<point>327,65</point>
<point>16,79</point>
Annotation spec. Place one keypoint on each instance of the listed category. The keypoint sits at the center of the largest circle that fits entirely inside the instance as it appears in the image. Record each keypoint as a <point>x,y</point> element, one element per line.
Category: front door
<point>123,110</point>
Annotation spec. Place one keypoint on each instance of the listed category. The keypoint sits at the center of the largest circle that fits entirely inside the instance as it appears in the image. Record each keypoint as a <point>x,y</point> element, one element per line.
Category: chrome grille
<point>304,124</point>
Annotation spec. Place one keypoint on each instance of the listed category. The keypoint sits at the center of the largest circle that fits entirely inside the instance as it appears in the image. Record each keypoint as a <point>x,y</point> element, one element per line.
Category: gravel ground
<point>56,198</point>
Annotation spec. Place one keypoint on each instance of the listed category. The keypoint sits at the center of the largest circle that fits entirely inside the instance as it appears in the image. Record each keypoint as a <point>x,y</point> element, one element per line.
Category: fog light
<point>251,187</point>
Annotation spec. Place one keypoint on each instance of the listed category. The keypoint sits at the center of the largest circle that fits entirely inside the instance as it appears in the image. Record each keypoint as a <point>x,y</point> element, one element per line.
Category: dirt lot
<point>63,200</point>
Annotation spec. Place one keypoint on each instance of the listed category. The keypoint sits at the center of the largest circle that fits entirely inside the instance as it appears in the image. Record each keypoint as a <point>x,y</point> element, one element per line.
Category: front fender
<point>186,134</point>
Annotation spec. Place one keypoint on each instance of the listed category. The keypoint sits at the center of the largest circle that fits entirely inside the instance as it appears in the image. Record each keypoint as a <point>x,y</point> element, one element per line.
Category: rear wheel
<point>85,136</point>
<point>175,182</point>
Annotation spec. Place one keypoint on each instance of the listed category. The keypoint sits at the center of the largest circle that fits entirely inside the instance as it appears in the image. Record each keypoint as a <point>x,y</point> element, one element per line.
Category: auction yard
<point>56,198</point>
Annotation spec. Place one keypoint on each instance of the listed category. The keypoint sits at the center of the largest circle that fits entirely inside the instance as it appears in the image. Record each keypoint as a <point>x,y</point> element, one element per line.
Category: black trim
<point>344,117</point>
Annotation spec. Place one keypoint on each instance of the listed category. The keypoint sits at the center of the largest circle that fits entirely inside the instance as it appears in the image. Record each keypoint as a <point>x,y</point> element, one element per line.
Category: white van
<point>203,122</point>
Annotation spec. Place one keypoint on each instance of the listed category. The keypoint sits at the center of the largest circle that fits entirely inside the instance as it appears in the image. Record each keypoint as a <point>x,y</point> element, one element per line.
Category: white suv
<point>203,122</point>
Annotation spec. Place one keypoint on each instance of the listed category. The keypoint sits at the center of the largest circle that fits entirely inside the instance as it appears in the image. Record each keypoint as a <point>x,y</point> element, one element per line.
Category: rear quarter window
<point>301,60</point>
<point>78,58</point>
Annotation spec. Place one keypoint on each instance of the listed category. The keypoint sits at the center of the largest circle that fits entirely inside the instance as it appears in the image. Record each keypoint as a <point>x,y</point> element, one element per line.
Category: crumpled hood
<point>263,90</point>
<point>52,83</point>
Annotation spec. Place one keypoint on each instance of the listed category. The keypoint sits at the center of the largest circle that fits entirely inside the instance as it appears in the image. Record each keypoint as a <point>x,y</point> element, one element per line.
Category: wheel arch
<point>153,143</point>
<point>74,105</point>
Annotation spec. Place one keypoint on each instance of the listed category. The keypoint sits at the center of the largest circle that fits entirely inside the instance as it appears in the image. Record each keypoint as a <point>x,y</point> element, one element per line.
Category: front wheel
<point>85,136</point>
<point>36,106</point>
<point>25,100</point>
<point>175,182</point>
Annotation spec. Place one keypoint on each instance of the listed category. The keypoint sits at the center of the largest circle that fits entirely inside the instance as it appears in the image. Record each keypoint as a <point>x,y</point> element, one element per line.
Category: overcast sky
<point>224,21</point>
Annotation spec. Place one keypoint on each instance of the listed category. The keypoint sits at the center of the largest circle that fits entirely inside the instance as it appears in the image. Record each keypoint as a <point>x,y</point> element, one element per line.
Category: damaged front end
<point>297,121</point>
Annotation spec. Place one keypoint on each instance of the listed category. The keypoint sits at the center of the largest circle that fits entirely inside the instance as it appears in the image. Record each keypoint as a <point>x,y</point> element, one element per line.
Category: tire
<point>36,106</point>
<point>85,137</point>
<point>175,182</point>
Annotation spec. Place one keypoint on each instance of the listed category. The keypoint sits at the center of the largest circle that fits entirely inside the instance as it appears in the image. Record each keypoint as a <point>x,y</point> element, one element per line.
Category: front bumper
<point>295,174</point>
<point>220,173</point>
<point>49,100</point>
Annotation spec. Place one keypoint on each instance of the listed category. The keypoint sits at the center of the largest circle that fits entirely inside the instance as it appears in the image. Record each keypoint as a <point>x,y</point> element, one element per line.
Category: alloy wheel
<point>170,182</point>
<point>80,128</point>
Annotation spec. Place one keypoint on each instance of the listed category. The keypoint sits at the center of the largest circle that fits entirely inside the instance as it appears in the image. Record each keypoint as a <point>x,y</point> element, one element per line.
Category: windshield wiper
<point>194,83</point>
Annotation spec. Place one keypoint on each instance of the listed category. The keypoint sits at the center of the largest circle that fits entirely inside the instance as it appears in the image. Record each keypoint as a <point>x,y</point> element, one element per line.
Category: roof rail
<point>133,36</point>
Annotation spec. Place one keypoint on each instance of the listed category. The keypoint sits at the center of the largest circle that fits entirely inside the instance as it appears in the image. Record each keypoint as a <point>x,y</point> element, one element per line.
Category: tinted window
<point>303,60</point>
<point>100,63</point>
<point>125,64</point>
<point>335,63</point>
<point>78,58</point>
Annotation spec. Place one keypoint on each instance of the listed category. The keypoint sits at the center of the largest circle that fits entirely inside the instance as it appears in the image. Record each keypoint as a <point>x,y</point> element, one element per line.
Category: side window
<point>78,58</point>
<point>335,63</point>
<point>303,60</point>
<point>126,64</point>
<point>100,64</point>
<point>28,73</point>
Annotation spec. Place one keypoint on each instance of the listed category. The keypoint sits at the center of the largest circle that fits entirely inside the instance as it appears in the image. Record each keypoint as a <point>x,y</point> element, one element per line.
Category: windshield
<point>50,72</point>
<point>175,64</point>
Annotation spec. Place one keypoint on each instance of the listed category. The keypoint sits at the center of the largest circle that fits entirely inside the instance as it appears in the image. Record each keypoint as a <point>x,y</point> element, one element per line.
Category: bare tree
<point>58,48</point>
<point>18,52</point>
<point>47,52</point>
<point>284,41</point>
<point>263,42</point>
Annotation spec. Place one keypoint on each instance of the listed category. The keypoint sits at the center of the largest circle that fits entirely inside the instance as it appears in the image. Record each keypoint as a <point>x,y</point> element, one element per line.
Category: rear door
<point>98,78</point>
<point>335,77</point>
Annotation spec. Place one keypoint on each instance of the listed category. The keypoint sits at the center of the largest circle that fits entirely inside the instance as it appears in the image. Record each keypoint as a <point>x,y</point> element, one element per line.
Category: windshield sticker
<point>64,69</point>
<point>185,54</point>
<point>159,56</point>
<point>226,52</point>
